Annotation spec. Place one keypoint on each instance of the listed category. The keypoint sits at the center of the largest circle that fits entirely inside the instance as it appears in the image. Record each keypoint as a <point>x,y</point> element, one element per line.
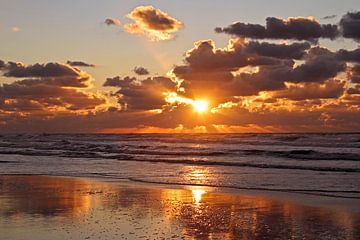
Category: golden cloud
<point>153,23</point>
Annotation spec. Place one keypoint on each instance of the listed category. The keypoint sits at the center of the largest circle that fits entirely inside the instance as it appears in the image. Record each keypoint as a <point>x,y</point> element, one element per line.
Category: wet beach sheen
<point>44,207</point>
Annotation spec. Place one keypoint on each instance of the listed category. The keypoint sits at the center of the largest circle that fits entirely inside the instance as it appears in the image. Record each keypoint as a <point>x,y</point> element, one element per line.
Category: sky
<point>179,66</point>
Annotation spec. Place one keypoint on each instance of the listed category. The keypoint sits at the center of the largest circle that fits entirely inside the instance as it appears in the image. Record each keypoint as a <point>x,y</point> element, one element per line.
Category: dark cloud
<point>2,64</point>
<point>79,64</point>
<point>51,73</point>
<point>319,66</point>
<point>205,56</point>
<point>24,95</point>
<point>141,71</point>
<point>354,74</point>
<point>146,94</point>
<point>19,70</point>
<point>118,81</point>
<point>212,72</point>
<point>284,51</point>
<point>152,22</point>
<point>112,21</point>
<point>209,71</point>
<point>268,78</point>
<point>350,25</point>
<point>349,56</point>
<point>292,28</point>
<point>48,89</point>
<point>330,89</point>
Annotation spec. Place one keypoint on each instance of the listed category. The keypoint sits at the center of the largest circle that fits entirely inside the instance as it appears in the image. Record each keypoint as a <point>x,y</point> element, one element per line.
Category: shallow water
<point>40,207</point>
<point>319,164</point>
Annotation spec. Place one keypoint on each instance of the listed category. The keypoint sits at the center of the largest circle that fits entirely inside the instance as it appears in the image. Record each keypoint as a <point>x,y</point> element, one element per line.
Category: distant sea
<point>316,164</point>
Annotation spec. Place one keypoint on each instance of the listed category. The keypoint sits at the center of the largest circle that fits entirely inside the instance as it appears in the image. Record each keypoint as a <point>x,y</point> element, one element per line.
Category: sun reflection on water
<point>197,175</point>
<point>197,195</point>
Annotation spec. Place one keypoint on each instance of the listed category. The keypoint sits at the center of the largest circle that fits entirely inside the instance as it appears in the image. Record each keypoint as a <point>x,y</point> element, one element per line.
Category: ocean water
<point>317,164</point>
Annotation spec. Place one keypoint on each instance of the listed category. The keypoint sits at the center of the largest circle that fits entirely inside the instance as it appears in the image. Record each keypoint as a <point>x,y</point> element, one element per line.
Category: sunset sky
<point>179,66</point>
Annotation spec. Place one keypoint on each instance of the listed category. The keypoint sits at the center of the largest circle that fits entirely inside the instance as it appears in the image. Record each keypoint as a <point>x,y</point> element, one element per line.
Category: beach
<point>55,207</point>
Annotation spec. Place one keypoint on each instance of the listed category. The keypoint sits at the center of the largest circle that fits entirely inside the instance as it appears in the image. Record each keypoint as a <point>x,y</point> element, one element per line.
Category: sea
<point>315,164</point>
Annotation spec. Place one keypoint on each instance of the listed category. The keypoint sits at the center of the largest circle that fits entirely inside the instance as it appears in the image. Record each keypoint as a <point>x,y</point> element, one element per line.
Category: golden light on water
<point>197,175</point>
<point>197,194</point>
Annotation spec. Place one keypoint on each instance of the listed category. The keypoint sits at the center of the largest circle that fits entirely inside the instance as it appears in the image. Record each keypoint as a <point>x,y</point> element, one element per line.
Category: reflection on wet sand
<point>45,195</point>
<point>57,208</point>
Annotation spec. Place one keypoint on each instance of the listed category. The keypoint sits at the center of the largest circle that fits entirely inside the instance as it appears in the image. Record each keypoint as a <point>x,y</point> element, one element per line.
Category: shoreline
<point>55,207</point>
<point>298,197</point>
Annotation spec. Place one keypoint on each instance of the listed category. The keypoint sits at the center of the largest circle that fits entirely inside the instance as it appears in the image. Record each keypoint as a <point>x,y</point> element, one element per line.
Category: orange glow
<point>200,106</point>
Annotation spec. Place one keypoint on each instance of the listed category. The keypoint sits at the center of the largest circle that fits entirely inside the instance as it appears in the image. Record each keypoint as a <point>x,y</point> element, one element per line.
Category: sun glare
<point>200,106</point>
<point>197,195</point>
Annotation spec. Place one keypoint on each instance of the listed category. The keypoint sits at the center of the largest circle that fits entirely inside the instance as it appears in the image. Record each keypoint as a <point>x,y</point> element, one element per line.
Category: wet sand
<point>46,207</point>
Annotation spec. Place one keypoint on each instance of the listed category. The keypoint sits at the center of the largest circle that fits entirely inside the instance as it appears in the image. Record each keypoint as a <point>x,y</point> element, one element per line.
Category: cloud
<point>118,81</point>
<point>247,68</point>
<point>2,64</point>
<point>80,64</point>
<point>284,51</point>
<point>350,25</point>
<point>24,96</point>
<point>319,66</point>
<point>298,28</point>
<point>354,74</point>
<point>315,69</point>
<point>208,71</point>
<point>145,94</point>
<point>52,73</point>
<point>329,17</point>
<point>152,22</point>
<point>46,90</point>
<point>112,22</point>
<point>205,56</point>
<point>349,56</point>
<point>17,69</point>
<point>354,90</point>
<point>141,71</point>
<point>268,78</point>
<point>251,85</point>
<point>329,89</point>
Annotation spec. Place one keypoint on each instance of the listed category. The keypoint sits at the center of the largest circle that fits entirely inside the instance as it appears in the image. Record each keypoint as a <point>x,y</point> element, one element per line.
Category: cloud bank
<point>46,90</point>
<point>257,83</point>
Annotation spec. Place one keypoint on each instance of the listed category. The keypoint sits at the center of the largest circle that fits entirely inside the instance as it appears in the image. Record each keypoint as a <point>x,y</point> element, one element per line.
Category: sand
<point>48,207</point>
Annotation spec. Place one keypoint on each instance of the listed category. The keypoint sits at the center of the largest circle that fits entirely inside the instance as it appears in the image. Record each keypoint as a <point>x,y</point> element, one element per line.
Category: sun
<point>200,106</point>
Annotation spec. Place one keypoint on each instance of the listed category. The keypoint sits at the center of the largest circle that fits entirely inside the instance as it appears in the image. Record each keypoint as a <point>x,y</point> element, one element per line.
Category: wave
<point>4,161</point>
<point>142,156</point>
<point>304,154</point>
<point>328,139</point>
<point>92,150</point>
<point>237,164</point>
<point>316,192</point>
